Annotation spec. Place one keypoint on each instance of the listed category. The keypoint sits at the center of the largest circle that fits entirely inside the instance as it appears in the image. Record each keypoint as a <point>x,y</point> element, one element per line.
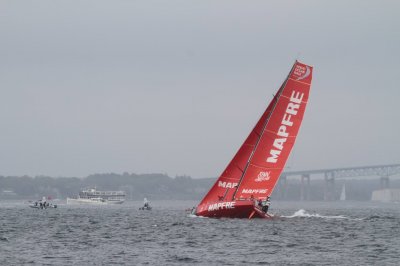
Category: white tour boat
<point>93,196</point>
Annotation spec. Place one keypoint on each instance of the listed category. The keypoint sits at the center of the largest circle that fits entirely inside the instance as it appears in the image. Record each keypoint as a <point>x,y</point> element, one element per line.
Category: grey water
<point>308,233</point>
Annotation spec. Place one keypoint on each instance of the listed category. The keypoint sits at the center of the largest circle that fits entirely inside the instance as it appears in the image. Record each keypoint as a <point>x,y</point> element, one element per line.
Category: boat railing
<point>102,193</point>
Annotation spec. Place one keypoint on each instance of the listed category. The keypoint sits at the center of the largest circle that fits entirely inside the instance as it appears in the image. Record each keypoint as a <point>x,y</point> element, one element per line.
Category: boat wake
<point>303,214</point>
<point>195,216</point>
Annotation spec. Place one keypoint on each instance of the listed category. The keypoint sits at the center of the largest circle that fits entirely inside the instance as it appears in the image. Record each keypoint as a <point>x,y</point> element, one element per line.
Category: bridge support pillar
<point>384,182</point>
<point>283,187</point>
<point>305,191</point>
<point>329,191</point>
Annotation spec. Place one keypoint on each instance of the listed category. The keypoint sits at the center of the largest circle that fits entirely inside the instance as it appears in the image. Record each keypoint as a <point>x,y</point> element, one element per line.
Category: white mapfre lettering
<point>282,134</point>
<point>227,184</point>
<point>253,191</point>
<point>221,206</point>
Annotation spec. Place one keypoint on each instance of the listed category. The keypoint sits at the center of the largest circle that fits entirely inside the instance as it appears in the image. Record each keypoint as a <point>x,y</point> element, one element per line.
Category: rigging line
<point>226,193</point>
<point>258,141</point>
<point>264,126</point>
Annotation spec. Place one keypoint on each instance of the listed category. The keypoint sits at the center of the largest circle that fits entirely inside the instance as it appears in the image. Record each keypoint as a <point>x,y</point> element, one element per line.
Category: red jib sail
<point>256,167</point>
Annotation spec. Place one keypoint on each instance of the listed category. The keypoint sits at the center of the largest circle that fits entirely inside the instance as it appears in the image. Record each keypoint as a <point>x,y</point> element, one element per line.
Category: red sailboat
<point>243,189</point>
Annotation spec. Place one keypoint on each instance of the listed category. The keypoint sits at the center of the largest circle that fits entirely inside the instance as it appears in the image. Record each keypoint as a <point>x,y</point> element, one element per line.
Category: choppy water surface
<point>309,234</point>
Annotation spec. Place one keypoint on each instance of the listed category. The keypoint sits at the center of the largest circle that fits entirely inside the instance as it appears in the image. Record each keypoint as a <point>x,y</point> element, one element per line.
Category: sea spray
<point>304,214</point>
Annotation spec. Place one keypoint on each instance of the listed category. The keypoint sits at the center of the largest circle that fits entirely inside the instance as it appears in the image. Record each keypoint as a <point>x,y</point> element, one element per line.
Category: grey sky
<point>176,86</point>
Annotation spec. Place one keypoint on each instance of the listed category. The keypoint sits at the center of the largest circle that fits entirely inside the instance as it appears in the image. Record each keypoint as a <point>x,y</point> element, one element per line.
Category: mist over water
<point>318,233</point>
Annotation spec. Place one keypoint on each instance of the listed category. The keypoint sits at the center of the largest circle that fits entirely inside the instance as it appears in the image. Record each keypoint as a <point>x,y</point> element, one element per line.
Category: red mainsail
<point>256,167</point>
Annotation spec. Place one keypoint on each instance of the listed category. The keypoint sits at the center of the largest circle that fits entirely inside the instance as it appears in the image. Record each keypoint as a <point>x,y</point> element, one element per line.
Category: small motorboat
<point>43,207</point>
<point>42,204</point>
<point>146,205</point>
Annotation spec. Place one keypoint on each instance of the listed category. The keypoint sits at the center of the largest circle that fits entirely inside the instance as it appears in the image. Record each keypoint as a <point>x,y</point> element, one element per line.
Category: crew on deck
<point>264,204</point>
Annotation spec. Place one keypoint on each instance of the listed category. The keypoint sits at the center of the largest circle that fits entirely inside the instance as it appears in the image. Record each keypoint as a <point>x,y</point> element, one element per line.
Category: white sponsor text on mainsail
<point>291,110</point>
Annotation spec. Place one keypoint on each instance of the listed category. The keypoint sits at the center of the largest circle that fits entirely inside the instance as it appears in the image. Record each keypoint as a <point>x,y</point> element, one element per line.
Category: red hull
<point>232,209</point>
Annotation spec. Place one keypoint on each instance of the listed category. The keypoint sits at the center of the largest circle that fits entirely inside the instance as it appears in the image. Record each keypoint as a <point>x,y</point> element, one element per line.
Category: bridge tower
<point>305,191</point>
<point>282,187</point>
<point>384,181</point>
<point>329,189</point>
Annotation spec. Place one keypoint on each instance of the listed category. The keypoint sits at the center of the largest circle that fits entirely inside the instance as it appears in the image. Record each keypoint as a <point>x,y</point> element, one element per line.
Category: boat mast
<point>263,129</point>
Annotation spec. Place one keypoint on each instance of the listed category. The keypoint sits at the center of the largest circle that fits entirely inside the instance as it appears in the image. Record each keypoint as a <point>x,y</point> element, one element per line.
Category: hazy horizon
<point>175,87</point>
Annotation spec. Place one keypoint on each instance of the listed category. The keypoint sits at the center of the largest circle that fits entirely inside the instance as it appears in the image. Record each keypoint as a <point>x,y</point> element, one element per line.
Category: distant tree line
<point>155,186</point>
<point>161,186</point>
